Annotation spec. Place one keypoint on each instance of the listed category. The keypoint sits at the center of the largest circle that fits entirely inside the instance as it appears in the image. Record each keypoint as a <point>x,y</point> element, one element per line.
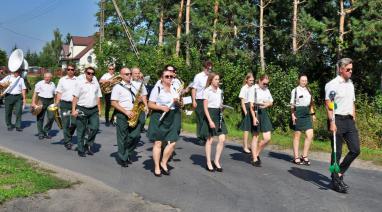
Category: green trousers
<point>13,102</point>
<point>199,111</point>
<point>127,137</point>
<point>88,125</point>
<point>43,130</point>
<point>68,121</point>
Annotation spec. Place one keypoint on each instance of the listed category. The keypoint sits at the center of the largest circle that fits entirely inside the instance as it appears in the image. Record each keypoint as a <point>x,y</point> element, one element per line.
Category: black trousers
<point>346,132</point>
<point>107,108</point>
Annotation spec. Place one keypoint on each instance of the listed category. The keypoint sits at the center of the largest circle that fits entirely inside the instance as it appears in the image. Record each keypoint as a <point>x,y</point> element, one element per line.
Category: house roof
<point>83,52</point>
<point>65,49</point>
<point>82,41</point>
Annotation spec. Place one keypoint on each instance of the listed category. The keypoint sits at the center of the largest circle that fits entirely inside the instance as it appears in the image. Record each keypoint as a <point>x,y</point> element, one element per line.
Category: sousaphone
<point>16,62</point>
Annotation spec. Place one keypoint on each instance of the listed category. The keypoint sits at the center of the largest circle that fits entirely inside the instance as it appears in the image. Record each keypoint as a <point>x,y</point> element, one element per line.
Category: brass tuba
<point>38,108</point>
<point>138,106</point>
<point>54,109</point>
<point>107,87</point>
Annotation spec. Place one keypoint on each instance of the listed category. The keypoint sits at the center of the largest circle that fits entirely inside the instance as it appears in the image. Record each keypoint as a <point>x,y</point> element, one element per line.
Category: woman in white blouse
<point>162,128</point>
<point>213,124</point>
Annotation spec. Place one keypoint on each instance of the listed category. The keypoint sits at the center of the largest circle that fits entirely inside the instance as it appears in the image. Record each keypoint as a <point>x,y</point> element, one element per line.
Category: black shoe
<point>47,136</point>
<point>343,183</point>
<point>216,167</point>
<point>40,137</point>
<point>10,128</point>
<point>208,169</point>
<point>258,159</point>
<point>81,154</point>
<point>122,163</point>
<point>157,175</point>
<point>336,185</point>
<point>256,163</point>
<point>128,160</point>
<point>68,146</point>
<point>89,151</point>
<point>107,124</point>
<point>165,172</point>
<point>18,129</point>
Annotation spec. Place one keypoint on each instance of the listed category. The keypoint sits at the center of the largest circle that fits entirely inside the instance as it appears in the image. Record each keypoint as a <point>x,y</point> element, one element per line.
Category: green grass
<point>283,141</point>
<point>20,178</point>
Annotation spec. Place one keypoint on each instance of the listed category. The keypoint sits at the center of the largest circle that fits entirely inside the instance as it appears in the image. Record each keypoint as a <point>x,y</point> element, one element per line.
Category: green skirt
<point>206,131</point>
<point>265,124</point>
<point>304,120</point>
<point>247,121</point>
<point>166,130</point>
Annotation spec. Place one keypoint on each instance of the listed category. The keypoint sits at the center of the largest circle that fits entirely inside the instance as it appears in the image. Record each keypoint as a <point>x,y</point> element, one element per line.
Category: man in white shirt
<point>198,87</point>
<point>341,90</point>
<point>107,78</point>
<point>64,96</point>
<point>14,98</point>
<point>86,107</point>
<point>44,91</point>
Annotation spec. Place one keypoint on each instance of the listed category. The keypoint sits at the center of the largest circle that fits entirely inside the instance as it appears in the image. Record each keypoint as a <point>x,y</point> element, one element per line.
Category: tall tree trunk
<point>294,26</point>
<point>179,28</point>
<point>160,38</point>
<point>261,35</point>
<point>341,29</point>
<point>188,8</point>
<point>216,13</point>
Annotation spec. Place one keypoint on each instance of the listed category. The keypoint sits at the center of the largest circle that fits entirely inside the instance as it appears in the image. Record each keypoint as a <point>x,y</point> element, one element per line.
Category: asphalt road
<point>277,186</point>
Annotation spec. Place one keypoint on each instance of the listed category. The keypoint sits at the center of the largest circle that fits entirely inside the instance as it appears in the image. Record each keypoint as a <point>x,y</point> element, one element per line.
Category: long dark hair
<point>211,76</point>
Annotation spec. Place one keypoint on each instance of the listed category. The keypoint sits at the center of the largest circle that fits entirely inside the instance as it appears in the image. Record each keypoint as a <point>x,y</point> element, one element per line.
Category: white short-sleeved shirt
<point>107,76</point>
<point>303,97</point>
<point>87,93</point>
<point>214,97</point>
<point>245,92</point>
<point>199,83</point>
<point>66,87</point>
<point>162,97</point>
<point>261,95</point>
<point>345,95</point>
<point>135,85</point>
<point>15,88</point>
<point>122,93</point>
<point>45,90</point>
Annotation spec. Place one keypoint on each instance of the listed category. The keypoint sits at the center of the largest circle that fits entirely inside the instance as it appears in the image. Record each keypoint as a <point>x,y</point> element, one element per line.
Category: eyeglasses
<point>70,69</point>
<point>168,77</point>
<point>128,74</point>
<point>90,73</point>
<point>111,68</point>
<point>349,69</point>
<point>266,84</point>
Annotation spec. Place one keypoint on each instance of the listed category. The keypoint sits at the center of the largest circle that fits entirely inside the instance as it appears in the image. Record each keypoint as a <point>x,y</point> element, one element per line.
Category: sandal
<point>305,160</point>
<point>297,161</point>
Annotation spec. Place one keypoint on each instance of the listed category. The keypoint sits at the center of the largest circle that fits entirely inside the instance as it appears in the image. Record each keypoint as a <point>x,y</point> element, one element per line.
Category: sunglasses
<point>266,84</point>
<point>128,74</point>
<point>90,73</point>
<point>168,77</point>
<point>349,69</point>
<point>70,69</point>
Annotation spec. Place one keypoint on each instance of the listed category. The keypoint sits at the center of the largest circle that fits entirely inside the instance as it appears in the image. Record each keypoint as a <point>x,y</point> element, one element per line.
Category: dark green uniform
<point>13,102</point>
<point>43,130</point>
<point>166,130</point>
<point>247,121</point>
<point>206,131</point>
<point>87,127</point>
<point>127,137</point>
<point>304,119</point>
<point>68,121</point>
<point>265,124</point>
<point>199,112</point>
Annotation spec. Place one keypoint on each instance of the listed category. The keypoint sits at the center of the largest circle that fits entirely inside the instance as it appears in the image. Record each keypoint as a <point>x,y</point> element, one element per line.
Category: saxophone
<point>138,107</point>
<point>107,87</point>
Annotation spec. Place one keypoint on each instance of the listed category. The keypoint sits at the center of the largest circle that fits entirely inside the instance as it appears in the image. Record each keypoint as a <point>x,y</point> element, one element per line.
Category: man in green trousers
<point>86,107</point>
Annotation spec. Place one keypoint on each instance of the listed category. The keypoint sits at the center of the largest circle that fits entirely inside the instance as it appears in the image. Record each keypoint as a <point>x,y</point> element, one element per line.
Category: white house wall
<point>84,59</point>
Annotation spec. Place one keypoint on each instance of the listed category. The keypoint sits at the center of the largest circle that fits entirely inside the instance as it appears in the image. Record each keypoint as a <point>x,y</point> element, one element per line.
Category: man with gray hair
<point>339,100</point>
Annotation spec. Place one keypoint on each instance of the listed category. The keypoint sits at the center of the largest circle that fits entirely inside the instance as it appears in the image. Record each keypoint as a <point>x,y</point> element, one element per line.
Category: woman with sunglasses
<point>262,100</point>
<point>247,121</point>
<point>213,124</point>
<point>302,112</point>
<point>163,129</point>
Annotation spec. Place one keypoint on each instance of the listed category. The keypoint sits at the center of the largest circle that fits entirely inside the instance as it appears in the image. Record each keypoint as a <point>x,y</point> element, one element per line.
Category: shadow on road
<point>198,160</point>
<point>53,133</point>
<point>236,148</point>
<point>25,124</point>
<point>280,156</point>
<point>241,157</point>
<point>191,140</point>
<point>320,180</point>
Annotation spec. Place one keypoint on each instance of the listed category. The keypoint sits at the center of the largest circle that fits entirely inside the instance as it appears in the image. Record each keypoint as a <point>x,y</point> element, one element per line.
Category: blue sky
<point>30,23</point>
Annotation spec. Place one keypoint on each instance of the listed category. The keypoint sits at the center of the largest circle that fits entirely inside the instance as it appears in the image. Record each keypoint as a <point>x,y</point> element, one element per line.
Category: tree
<point>50,54</point>
<point>3,58</point>
<point>263,5</point>
<point>179,28</point>
<point>32,58</point>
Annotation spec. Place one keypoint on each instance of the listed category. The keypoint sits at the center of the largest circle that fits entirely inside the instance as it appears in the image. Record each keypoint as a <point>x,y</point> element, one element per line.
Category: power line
<point>23,35</point>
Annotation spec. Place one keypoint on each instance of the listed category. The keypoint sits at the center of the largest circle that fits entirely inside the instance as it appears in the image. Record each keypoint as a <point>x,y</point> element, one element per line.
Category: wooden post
<point>179,28</point>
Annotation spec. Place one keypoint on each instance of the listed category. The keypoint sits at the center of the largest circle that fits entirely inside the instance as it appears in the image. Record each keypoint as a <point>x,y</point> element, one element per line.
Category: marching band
<point>79,102</point>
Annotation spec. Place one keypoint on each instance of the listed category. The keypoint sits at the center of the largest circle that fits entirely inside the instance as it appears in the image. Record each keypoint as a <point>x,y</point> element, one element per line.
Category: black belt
<point>66,101</point>
<point>45,98</point>
<point>8,94</point>
<point>344,116</point>
<point>89,108</point>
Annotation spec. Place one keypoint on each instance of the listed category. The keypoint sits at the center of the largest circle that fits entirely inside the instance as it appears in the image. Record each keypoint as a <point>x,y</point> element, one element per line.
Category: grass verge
<point>20,178</point>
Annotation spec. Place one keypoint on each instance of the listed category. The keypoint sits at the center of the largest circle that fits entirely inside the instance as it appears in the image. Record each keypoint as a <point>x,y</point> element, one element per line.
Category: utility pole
<point>102,24</point>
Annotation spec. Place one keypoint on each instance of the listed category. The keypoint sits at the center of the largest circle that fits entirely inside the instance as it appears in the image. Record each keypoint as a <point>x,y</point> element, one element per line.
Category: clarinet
<point>221,112</point>
<point>256,106</point>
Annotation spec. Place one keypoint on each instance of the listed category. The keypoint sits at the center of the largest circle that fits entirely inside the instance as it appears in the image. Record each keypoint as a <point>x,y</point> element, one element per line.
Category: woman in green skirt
<point>262,100</point>
<point>213,124</point>
<point>246,124</point>
<point>163,128</point>
<point>302,112</point>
